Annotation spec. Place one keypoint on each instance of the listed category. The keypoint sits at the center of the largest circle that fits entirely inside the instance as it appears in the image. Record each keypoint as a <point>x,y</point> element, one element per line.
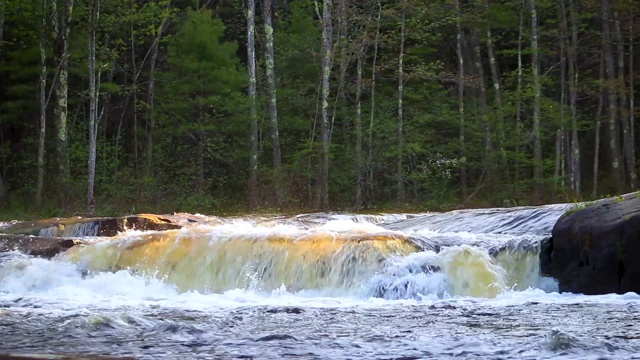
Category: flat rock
<point>79,226</point>
<point>36,245</point>
<point>596,250</point>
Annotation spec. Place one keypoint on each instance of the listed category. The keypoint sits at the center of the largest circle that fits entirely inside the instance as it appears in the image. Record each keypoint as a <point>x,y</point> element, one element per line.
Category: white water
<point>453,281</point>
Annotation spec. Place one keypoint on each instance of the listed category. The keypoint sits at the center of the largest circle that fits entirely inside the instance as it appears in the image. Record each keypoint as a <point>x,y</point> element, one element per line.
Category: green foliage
<point>198,123</point>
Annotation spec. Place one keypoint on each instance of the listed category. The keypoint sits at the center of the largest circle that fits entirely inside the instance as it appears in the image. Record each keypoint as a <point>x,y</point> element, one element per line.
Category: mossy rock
<point>596,250</point>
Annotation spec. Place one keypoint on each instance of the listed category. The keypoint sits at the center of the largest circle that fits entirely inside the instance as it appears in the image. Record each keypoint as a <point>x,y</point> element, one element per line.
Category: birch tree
<point>358,126</point>
<point>559,172</point>
<point>93,104</point>
<point>43,101</point>
<point>627,140</point>
<point>519,94</point>
<point>576,177</point>
<point>251,59</point>
<point>535,67</point>
<point>399,168</point>
<point>63,10</point>
<point>327,54</point>
<point>461,84</point>
<point>612,126</point>
<point>495,78</point>
<point>271,93</point>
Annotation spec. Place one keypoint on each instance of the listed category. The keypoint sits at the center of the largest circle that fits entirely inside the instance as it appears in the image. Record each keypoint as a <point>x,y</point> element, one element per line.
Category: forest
<point>229,106</point>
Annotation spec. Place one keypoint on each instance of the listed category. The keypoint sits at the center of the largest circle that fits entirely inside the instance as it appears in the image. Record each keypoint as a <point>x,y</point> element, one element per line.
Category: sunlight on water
<point>209,261</point>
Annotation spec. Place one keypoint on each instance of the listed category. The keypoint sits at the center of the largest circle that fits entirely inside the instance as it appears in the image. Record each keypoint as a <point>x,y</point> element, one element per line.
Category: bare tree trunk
<point>2,26</point>
<point>358,124</point>
<point>482,91</point>
<point>43,103</point>
<point>627,142</point>
<point>344,63</point>
<point>596,151</point>
<point>612,128</point>
<point>327,52</point>
<point>519,97</point>
<point>63,10</point>
<point>93,105</point>
<point>273,107</point>
<point>399,168</point>
<point>632,115</point>
<point>3,194</point>
<point>461,84</point>
<point>576,176</point>
<point>151,89</point>
<point>251,59</point>
<point>495,78</point>
<point>373,102</point>
<point>135,94</point>
<point>558,175</point>
<point>535,66</point>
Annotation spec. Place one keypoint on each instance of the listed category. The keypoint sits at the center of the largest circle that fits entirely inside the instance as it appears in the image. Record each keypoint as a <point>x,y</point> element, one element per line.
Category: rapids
<point>314,286</point>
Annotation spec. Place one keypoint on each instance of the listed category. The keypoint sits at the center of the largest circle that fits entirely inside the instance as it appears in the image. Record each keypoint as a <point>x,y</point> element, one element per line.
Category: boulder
<point>79,226</point>
<point>35,245</point>
<point>596,249</point>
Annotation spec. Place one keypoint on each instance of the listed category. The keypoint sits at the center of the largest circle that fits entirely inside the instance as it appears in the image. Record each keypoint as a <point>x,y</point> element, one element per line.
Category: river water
<point>463,284</point>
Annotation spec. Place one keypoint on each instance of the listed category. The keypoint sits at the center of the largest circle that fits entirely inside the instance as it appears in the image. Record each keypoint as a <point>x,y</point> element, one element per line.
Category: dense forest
<point>114,106</point>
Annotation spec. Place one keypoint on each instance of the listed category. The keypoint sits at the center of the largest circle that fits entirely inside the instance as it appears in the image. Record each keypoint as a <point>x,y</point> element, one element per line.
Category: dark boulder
<point>35,245</point>
<point>596,249</point>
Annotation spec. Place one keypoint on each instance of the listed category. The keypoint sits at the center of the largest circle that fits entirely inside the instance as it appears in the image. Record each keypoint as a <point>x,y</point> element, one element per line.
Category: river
<point>463,284</point>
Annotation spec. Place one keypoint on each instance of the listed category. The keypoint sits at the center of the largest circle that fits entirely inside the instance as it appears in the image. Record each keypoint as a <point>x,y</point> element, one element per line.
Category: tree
<point>43,102</point>
<point>2,16</point>
<point>399,166</point>
<point>576,178</point>
<point>627,142</point>
<point>612,127</point>
<point>535,67</point>
<point>93,104</point>
<point>495,78</point>
<point>251,60</point>
<point>358,125</point>
<point>327,54</point>
<point>373,99</point>
<point>63,10</point>
<point>201,87</point>
<point>273,106</point>
<point>151,119</point>
<point>461,85</point>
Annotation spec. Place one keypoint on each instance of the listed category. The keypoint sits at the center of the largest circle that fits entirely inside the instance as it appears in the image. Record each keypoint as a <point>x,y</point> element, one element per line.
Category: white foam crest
<point>350,226</point>
<point>370,218</point>
<point>62,281</point>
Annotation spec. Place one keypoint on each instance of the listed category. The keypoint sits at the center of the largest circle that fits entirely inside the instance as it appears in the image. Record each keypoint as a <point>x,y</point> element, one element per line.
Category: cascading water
<point>241,286</point>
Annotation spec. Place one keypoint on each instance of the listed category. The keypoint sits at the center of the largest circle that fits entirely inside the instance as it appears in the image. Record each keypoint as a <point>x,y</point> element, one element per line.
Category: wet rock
<point>79,226</point>
<point>276,337</point>
<point>286,310</point>
<point>35,245</point>
<point>596,249</point>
